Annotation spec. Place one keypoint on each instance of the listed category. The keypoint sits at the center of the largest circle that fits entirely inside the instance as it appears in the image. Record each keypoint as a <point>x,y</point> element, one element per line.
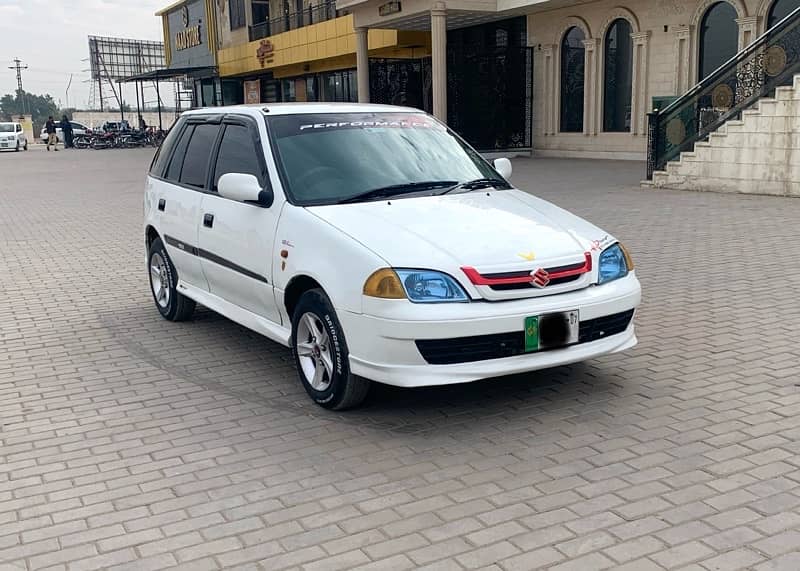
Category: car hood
<point>490,231</point>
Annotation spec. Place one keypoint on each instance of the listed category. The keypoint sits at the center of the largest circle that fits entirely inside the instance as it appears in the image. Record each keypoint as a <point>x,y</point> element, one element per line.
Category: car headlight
<point>615,263</point>
<point>418,286</point>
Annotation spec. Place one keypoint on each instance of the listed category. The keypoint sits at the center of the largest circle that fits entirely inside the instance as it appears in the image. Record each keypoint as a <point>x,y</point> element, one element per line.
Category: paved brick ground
<point>133,443</point>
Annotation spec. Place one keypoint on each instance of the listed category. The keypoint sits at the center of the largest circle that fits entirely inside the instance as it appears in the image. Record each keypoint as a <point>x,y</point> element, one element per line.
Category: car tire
<point>25,146</point>
<point>321,355</point>
<point>172,305</point>
<point>16,149</point>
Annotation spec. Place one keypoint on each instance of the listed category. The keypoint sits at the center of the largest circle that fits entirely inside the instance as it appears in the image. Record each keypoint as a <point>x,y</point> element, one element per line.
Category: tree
<point>39,106</point>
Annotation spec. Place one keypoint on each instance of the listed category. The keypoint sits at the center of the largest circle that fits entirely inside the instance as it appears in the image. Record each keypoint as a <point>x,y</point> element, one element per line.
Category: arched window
<point>719,37</point>
<point>779,10</point>
<point>572,73</point>
<point>618,77</point>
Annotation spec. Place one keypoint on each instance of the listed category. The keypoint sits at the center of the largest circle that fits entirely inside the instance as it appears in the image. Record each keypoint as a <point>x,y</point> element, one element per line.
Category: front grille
<point>499,345</point>
<point>529,285</point>
<point>527,273</point>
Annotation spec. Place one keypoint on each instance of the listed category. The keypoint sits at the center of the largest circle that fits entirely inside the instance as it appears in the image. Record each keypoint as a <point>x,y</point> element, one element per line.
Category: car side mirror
<point>244,188</point>
<point>503,167</point>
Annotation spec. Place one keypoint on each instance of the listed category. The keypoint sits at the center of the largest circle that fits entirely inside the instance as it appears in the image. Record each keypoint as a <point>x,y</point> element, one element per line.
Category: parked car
<point>77,129</point>
<point>379,246</point>
<point>12,136</point>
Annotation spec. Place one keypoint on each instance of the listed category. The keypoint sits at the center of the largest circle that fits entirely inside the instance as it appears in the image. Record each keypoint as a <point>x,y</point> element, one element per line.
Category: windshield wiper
<point>478,183</point>
<point>396,189</point>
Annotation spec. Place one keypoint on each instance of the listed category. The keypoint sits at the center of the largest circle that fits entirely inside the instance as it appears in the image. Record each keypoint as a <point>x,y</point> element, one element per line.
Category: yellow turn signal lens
<point>384,284</point>
<point>627,254</point>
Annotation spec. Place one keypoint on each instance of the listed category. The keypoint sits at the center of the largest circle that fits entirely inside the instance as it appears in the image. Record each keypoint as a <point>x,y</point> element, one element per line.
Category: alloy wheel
<point>314,352</point>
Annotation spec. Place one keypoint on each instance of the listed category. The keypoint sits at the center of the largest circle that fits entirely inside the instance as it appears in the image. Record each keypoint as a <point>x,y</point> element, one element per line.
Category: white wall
<point>95,119</point>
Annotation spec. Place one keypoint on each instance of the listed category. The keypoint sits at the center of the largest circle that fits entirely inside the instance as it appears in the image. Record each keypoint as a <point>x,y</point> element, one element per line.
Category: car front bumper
<point>384,348</point>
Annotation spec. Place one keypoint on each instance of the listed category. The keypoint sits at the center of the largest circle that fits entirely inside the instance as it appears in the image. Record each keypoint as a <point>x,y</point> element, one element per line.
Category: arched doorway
<point>719,38</point>
<point>572,80</point>
<point>618,77</point>
<point>779,10</point>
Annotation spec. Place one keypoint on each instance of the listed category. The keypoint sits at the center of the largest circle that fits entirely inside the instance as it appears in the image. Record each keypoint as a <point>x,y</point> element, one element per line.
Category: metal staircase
<point>769,62</point>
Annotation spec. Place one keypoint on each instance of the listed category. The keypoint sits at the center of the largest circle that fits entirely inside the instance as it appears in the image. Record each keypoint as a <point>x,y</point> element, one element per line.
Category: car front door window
<point>238,154</point>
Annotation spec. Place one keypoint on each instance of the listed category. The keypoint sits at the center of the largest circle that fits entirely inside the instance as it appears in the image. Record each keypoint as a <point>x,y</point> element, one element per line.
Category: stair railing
<point>770,61</point>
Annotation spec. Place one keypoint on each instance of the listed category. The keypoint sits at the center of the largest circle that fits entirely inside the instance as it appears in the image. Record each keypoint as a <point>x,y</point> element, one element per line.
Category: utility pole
<point>19,67</point>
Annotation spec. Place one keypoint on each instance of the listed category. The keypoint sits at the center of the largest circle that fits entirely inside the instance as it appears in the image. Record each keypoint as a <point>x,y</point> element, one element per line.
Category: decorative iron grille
<point>769,62</point>
<point>401,82</point>
<point>490,97</point>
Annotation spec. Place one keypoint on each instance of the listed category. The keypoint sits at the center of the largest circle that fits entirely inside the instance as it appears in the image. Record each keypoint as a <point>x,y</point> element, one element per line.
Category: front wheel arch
<point>150,236</point>
<point>295,289</point>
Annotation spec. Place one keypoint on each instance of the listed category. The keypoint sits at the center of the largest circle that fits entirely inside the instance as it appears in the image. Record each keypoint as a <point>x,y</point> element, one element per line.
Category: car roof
<point>302,108</point>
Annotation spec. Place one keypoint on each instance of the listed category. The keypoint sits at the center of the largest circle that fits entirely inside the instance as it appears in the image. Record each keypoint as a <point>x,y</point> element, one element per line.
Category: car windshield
<point>348,157</point>
<point>6,127</point>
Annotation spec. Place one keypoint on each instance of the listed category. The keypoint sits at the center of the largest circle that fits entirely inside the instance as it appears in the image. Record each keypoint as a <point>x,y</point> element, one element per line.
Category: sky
<point>50,37</point>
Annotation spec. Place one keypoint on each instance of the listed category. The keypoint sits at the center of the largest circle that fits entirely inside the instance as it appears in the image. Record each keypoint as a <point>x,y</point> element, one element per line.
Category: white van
<point>13,137</point>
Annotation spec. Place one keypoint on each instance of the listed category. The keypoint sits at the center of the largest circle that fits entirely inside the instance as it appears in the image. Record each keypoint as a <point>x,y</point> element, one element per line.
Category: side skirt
<point>235,313</point>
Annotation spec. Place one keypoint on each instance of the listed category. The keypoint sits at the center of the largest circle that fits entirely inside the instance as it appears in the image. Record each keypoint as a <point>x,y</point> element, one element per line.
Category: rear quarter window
<point>160,161</point>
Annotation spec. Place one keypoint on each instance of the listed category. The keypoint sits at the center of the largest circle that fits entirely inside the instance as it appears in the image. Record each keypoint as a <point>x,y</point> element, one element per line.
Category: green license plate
<point>551,330</point>
<point>532,333</point>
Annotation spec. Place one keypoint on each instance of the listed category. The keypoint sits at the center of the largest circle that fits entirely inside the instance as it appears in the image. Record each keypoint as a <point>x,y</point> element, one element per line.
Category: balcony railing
<point>770,61</point>
<point>313,14</point>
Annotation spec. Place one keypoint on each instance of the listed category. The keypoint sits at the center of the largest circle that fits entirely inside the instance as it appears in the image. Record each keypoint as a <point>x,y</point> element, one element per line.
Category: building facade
<point>298,51</point>
<point>598,67</point>
<point>190,49</point>
<point>556,77</point>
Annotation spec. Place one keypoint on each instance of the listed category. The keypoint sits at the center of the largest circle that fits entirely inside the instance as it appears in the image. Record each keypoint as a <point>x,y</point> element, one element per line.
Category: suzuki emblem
<point>540,277</point>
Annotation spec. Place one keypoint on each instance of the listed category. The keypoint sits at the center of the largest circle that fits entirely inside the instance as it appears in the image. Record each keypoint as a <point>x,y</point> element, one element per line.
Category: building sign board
<point>265,52</point>
<point>187,32</point>
<point>188,38</point>
<point>252,91</point>
<point>390,8</point>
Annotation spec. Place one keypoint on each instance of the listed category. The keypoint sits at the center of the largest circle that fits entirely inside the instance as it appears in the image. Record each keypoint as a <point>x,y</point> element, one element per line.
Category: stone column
<point>549,90</point>
<point>748,30</point>
<point>639,103</point>
<point>684,56</point>
<point>362,64</point>
<point>439,59</point>
<point>590,95</point>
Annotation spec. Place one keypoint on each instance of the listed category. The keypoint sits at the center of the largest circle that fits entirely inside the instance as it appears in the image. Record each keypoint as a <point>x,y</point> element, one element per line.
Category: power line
<point>19,67</point>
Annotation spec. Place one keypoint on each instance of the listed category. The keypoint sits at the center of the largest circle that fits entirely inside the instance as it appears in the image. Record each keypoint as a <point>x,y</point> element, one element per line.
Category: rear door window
<point>198,155</point>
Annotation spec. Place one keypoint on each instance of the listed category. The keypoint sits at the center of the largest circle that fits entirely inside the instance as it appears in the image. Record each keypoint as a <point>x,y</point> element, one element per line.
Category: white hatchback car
<point>77,129</point>
<point>379,246</point>
<point>12,136</point>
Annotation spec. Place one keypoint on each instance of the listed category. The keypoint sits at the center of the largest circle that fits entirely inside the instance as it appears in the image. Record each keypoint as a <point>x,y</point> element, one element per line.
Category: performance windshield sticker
<point>356,124</point>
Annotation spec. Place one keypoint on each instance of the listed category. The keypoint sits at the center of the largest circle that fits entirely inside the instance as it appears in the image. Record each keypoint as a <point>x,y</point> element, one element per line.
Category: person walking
<point>50,128</point>
<point>66,129</point>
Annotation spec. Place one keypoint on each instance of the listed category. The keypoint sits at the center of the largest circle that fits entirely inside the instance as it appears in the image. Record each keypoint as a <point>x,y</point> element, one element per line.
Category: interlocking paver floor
<point>129,442</point>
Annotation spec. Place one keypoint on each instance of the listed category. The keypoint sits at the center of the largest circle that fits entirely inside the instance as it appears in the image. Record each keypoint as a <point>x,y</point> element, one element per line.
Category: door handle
<point>208,220</point>
<point>161,204</point>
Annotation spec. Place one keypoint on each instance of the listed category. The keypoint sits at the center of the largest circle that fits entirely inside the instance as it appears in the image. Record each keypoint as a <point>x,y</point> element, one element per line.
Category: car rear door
<point>236,238</point>
<point>179,193</point>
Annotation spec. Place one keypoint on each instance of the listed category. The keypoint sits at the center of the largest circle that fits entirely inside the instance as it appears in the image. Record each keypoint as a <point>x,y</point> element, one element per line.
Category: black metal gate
<point>489,84</point>
<point>401,82</point>
<point>490,98</point>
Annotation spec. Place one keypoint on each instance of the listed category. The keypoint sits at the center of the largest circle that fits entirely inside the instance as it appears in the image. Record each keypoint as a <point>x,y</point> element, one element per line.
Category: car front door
<point>237,238</point>
<point>179,193</point>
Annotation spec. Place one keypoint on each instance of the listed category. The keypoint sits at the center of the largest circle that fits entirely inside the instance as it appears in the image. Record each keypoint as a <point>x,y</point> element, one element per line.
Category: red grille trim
<point>480,280</point>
